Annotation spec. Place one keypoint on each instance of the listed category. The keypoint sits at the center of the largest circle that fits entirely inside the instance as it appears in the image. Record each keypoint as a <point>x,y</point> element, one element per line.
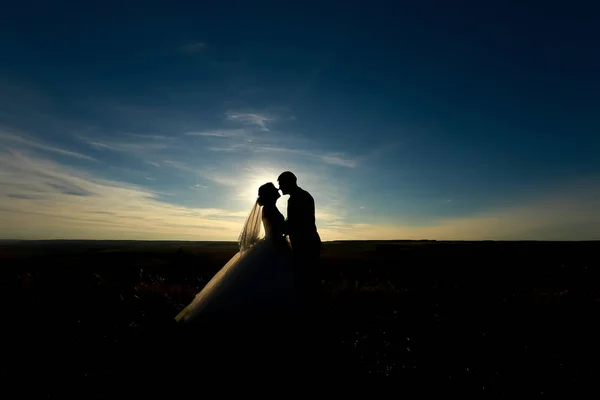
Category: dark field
<point>95,319</point>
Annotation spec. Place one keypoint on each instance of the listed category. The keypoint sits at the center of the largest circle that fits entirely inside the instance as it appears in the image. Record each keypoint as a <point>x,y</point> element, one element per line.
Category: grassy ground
<point>96,319</point>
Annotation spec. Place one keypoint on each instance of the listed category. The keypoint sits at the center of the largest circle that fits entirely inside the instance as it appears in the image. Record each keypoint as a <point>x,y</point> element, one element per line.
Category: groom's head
<point>287,182</point>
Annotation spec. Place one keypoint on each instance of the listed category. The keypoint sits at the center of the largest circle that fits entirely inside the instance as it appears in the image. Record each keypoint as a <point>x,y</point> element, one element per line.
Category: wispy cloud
<point>137,144</point>
<point>336,159</point>
<point>60,202</point>
<point>258,120</point>
<point>232,148</point>
<point>223,133</point>
<point>221,177</point>
<point>126,147</point>
<point>193,48</point>
<point>19,140</point>
<point>145,148</point>
<point>179,165</point>
<point>153,137</point>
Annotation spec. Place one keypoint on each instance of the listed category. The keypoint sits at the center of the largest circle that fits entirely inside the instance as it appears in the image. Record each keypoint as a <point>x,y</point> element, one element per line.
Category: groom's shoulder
<point>300,195</point>
<point>304,194</point>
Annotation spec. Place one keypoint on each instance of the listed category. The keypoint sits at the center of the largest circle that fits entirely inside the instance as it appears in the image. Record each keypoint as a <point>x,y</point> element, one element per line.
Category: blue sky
<point>438,120</point>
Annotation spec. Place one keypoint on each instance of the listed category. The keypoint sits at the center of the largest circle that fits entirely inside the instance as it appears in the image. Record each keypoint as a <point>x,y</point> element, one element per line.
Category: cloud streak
<point>336,159</point>
<point>222,133</point>
<point>42,199</point>
<point>258,120</point>
<point>9,138</point>
<point>339,160</point>
<point>254,139</point>
<point>193,48</point>
<point>125,146</point>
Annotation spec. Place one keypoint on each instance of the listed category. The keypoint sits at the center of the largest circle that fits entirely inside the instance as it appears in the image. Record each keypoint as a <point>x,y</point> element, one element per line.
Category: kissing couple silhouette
<point>269,275</point>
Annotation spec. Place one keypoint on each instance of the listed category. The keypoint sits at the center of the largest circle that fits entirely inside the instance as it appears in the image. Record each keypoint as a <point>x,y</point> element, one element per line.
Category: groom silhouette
<point>301,228</point>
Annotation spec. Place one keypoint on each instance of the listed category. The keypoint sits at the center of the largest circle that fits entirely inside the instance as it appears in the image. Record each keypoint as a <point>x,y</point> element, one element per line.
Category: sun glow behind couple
<point>250,179</point>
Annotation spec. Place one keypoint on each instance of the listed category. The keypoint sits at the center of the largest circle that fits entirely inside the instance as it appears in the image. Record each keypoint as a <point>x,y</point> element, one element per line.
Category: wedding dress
<point>257,280</point>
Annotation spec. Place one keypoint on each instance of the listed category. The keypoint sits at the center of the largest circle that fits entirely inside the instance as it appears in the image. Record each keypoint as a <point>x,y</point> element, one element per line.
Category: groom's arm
<point>286,223</point>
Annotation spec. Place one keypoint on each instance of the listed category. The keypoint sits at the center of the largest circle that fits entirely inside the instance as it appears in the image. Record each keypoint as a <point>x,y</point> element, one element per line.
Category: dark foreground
<point>95,319</point>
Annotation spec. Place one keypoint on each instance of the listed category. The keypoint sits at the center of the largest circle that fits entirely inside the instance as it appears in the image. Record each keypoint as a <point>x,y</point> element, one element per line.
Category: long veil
<point>251,232</point>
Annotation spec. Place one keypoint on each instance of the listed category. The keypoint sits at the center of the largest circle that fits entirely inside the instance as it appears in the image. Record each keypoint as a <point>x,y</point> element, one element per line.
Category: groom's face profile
<point>287,182</point>
<point>284,187</point>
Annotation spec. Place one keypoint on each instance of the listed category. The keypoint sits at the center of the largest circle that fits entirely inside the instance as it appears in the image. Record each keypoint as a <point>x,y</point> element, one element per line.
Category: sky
<point>463,120</point>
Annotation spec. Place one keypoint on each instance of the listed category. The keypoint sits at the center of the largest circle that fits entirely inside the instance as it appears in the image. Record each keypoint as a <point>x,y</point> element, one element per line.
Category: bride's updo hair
<point>267,193</point>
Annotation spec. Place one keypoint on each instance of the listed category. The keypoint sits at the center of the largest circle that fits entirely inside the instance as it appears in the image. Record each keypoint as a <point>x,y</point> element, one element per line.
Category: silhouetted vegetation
<point>506,317</point>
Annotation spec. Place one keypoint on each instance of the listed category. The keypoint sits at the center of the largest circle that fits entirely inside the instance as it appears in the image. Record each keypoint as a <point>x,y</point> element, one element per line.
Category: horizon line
<point>324,241</point>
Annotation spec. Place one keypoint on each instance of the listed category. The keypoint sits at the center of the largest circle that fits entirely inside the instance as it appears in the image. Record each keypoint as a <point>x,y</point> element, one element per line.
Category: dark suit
<point>305,240</point>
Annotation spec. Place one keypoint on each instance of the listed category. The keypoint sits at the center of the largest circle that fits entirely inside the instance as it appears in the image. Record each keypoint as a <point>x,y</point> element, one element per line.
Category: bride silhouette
<point>256,281</point>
